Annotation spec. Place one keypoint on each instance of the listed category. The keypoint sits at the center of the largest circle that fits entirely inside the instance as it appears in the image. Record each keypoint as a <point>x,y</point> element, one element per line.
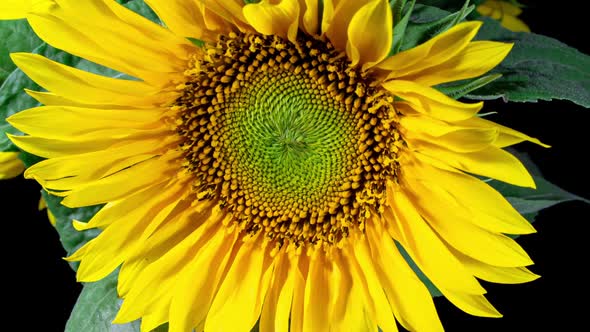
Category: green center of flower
<point>288,138</point>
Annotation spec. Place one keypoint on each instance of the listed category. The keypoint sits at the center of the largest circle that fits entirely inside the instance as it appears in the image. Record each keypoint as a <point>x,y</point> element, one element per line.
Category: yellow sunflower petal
<point>514,24</point>
<point>374,293</point>
<point>370,48</point>
<point>434,52</point>
<point>127,35</point>
<point>315,306</point>
<point>297,314</point>
<point>309,21</point>
<point>243,290</point>
<point>338,15</point>
<point>229,10</point>
<point>497,274</point>
<point>116,242</point>
<point>279,18</point>
<point>123,183</point>
<point>10,165</point>
<point>85,123</point>
<point>195,290</point>
<point>489,209</point>
<point>492,162</point>
<point>83,86</point>
<point>277,305</point>
<point>410,300</point>
<point>432,102</point>
<point>15,9</point>
<point>426,249</point>
<point>506,137</point>
<point>189,18</point>
<point>488,247</point>
<point>52,148</point>
<point>476,59</point>
<point>160,276</point>
<point>476,305</point>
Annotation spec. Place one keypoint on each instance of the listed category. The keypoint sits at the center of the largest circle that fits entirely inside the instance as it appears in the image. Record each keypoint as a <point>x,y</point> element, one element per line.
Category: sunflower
<point>505,12</point>
<point>270,162</point>
<point>10,165</point>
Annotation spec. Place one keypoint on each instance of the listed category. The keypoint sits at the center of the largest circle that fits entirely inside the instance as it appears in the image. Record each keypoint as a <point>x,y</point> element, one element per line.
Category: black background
<point>39,288</point>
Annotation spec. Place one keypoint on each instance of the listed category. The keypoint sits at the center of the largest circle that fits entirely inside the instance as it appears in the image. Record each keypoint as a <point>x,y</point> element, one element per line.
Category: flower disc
<point>288,137</point>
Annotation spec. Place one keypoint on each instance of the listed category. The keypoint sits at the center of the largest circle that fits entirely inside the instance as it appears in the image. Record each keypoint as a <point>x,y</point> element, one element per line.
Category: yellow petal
<point>230,11</point>
<point>460,233</point>
<point>369,48</point>
<point>476,305</point>
<point>155,283</point>
<point>123,183</point>
<point>340,284</point>
<point>497,274</point>
<point>85,123</point>
<point>374,291</point>
<point>492,162</point>
<point>429,101</point>
<point>426,249</point>
<point>243,290</point>
<point>83,86</point>
<point>309,21</point>
<point>277,305</point>
<point>279,18</point>
<point>52,148</point>
<point>514,24</point>
<point>116,242</point>
<point>317,295</point>
<point>131,44</point>
<point>189,19</point>
<point>460,140</point>
<point>410,300</point>
<point>15,9</point>
<point>299,272</point>
<point>507,136</point>
<point>10,165</point>
<point>194,291</point>
<point>488,208</point>
<point>338,15</point>
<point>435,51</point>
<point>474,60</point>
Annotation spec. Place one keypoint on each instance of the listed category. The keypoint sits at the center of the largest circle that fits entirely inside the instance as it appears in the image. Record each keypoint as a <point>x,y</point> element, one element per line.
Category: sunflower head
<point>273,170</point>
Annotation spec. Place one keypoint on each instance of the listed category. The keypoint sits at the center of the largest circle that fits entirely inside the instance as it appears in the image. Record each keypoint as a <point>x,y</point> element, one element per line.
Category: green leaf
<point>96,308</point>
<point>15,36</point>
<point>140,7</point>
<point>70,238</point>
<point>537,68</point>
<point>449,5</point>
<point>401,23</point>
<point>427,22</point>
<point>529,202</point>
